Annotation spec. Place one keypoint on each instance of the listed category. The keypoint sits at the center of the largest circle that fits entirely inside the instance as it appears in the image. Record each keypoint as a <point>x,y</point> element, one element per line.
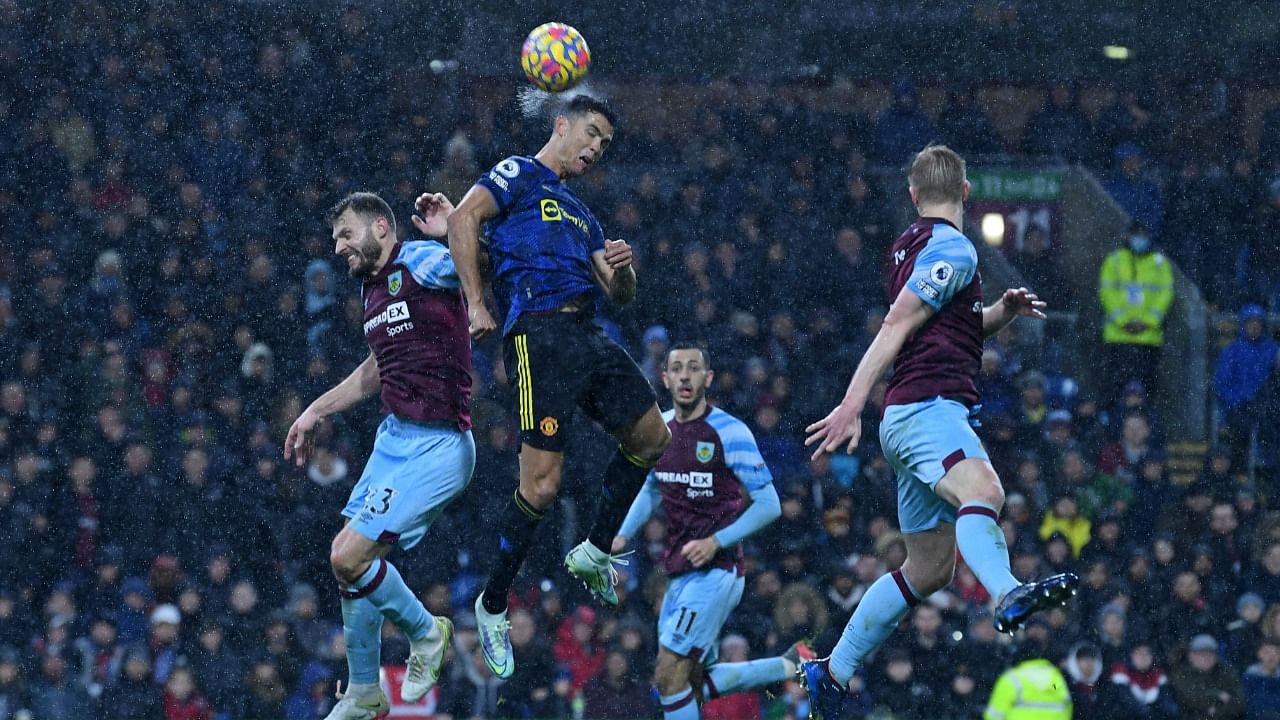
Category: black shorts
<point>562,360</point>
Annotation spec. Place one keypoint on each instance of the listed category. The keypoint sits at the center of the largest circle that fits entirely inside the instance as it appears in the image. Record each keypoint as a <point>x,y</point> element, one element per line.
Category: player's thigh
<point>617,395</point>
<point>971,480</point>
<point>420,470</point>
<point>921,442</point>
<point>694,609</point>
<point>542,355</point>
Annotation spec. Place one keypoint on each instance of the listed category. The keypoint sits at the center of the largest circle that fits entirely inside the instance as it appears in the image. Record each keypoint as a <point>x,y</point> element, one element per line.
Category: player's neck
<point>951,212</point>
<point>693,413</point>
<point>385,257</point>
<point>547,156</point>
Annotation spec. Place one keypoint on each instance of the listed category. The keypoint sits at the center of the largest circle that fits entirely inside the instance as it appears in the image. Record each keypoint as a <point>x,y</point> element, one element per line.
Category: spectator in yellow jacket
<point>1135,287</point>
<point>1064,517</point>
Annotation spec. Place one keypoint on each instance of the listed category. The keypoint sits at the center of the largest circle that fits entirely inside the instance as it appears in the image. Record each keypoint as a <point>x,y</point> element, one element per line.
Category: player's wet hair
<point>937,175</point>
<point>365,204</point>
<point>685,345</point>
<point>582,103</point>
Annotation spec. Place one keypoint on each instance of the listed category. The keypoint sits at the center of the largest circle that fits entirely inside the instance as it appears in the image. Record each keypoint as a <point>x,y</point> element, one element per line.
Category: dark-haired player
<point>699,483</point>
<point>551,267</point>
<point>420,362</point>
<point>933,338</point>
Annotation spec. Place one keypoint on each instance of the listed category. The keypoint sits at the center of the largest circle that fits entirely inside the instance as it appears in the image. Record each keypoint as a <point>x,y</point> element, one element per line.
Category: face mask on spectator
<point>1139,243</point>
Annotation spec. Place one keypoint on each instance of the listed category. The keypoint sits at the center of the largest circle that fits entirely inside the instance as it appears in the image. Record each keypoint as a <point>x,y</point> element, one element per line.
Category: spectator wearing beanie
<point>1204,687</point>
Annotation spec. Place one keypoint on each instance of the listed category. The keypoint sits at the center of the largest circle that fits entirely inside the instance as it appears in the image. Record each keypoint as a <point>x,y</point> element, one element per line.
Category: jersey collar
<point>938,220</point>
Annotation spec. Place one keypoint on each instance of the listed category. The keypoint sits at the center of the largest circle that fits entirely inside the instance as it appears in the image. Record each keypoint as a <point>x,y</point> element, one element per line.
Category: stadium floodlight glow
<point>993,229</point>
<point>1116,52</point>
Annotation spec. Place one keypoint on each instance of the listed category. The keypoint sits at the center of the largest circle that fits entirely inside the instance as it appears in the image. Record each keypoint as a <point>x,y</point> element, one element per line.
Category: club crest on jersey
<point>395,281</point>
<point>705,452</point>
<point>549,426</point>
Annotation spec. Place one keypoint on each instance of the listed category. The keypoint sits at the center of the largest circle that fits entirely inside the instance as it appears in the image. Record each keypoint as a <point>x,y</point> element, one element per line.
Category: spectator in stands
<point>903,128</point>
<point>1262,683</point>
<point>1144,686</point>
<point>616,694</point>
<point>1203,686</point>
<point>1135,287</point>
<point>1059,129</point>
<point>1187,616</point>
<point>1241,373</point>
<point>965,127</point>
<point>1092,695</point>
<point>899,692</point>
<point>1064,518</point>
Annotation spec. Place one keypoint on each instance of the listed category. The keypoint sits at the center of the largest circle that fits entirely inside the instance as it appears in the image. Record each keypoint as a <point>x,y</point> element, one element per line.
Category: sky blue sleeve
<point>642,509</point>
<point>741,453</point>
<point>509,180</point>
<point>430,264</point>
<point>764,509</point>
<point>943,268</point>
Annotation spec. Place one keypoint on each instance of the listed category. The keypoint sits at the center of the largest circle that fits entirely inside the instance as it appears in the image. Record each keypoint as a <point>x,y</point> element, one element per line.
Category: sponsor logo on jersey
<point>700,484</point>
<point>498,180</point>
<point>393,313</point>
<point>692,479</point>
<point>705,452</point>
<point>549,426</point>
<point>551,211</point>
<point>395,281</point>
<point>929,290</point>
<point>977,306</point>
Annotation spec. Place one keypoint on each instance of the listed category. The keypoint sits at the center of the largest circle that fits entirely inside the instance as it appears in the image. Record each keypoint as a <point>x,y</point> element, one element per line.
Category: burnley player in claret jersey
<point>699,484</point>
<point>420,362</point>
<point>948,494</point>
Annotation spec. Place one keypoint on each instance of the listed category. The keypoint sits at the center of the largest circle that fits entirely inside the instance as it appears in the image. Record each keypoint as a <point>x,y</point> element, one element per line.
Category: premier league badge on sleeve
<point>395,281</point>
<point>705,452</point>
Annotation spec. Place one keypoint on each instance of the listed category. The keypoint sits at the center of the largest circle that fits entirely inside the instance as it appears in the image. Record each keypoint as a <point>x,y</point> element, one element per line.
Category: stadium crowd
<point>169,303</point>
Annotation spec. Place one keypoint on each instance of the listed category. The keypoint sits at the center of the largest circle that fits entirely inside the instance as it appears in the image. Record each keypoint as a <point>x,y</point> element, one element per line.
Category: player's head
<point>937,177</point>
<point>364,228</point>
<point>582,130</point>
<point>687,374</point>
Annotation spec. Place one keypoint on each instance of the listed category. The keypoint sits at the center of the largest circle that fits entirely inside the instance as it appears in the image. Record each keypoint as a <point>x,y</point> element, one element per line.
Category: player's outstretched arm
<point>844,423</point>
<point>646,502</point>
<point>464,225</point>
<point>360,384</point>
<point>613,271</point>
<point>1015,303</point>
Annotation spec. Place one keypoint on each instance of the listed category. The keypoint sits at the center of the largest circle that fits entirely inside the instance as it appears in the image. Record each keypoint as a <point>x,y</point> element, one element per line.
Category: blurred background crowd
<point>169,303</point>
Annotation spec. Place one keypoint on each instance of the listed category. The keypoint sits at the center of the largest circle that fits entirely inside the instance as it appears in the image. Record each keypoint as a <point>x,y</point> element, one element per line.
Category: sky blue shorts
<point>922,441</point>
<point>413,474</point>
<point>695,608</point>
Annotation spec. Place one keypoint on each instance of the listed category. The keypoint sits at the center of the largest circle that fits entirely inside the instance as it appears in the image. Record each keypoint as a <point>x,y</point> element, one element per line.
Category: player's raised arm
<point>363,382</point>
<point>613,271</point>
<point>844,423</point>
<point>1015,303</point>
<point>464,225</point>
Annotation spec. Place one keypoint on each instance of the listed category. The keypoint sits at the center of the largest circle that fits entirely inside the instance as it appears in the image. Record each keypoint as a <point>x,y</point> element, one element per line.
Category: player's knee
<point>348,564</point>
<point>541,488</point>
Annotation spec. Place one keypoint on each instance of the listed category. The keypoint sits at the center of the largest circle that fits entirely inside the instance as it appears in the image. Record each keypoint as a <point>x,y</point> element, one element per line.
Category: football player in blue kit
<point>551,269</point>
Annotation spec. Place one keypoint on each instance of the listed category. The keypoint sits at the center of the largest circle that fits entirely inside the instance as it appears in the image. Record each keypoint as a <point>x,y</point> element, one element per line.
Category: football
<point>555,57</point>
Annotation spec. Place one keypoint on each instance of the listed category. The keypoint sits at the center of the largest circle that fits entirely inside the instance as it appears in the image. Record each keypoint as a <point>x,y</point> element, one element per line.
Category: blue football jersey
<point>541,242</point>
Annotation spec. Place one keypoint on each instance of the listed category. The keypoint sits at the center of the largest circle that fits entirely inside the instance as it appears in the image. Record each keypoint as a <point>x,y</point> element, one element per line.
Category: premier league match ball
<point>555,57</point>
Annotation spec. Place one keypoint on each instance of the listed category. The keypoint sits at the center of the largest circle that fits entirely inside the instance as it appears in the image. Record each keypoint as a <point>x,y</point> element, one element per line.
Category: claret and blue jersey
<point>541,242</point>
